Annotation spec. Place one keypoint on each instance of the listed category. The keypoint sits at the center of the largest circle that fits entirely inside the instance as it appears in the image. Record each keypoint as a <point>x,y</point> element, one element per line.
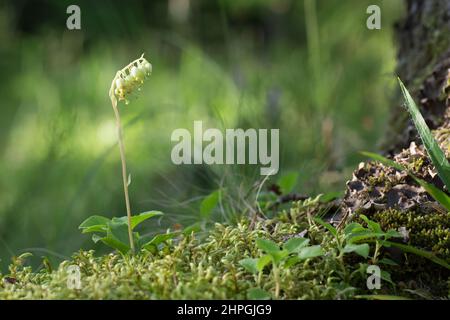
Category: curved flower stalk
<point>126,82</point>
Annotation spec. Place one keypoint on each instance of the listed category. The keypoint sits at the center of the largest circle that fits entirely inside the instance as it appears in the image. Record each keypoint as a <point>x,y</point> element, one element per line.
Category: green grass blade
<point>434,151</point>
<point>383,160</point>
<point>419,252</point>
<point>381,297</point>
<point>437,194</point>
<point>327,225</point>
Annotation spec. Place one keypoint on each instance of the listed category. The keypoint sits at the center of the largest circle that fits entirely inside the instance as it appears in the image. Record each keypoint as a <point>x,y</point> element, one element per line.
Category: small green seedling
<point>294,250</point>
<point>114,232</point>
<point>356,239</point>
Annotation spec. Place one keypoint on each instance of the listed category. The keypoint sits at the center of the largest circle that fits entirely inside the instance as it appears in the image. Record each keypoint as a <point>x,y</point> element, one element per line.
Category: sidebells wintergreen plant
<point>113,232</point>
<point>118,233</point>
<point>126,82</point>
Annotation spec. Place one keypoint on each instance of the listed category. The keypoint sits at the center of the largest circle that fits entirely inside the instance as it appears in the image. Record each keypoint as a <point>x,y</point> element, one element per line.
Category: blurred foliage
<point>325,81</point>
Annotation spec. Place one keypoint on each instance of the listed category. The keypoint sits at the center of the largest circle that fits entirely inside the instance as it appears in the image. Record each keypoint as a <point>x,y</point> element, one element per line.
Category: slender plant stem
<point>124,169</point>
<point>277,281</point>
<point>375,254</point>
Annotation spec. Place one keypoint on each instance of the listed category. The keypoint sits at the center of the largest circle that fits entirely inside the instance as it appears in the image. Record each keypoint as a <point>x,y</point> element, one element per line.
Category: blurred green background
<point>310,68</point>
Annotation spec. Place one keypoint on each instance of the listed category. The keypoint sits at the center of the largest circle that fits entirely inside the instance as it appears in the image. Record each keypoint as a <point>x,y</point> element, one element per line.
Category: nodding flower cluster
<point>130,78</point>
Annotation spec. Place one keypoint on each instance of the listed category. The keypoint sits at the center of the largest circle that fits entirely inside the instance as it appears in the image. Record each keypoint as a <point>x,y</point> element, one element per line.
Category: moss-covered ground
<point>207,267</point>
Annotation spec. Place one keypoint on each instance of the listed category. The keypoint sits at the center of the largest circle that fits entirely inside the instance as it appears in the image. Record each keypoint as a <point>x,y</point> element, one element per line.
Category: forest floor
<point>290,256</point>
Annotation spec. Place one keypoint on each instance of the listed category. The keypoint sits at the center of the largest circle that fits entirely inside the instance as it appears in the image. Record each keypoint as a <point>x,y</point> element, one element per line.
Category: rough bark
<point>423,39</point>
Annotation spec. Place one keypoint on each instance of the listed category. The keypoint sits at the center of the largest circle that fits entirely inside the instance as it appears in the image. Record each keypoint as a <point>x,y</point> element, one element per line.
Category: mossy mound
<point>192,267</point>
<point>395,200</point>
<point>189,269</point>
<point>429,231</point>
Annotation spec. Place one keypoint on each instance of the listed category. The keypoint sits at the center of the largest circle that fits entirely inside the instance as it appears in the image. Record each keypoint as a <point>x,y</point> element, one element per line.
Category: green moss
<point>429,231</point>
<point>190,269</point>
<point>208,268</point>
<point>416,165</point>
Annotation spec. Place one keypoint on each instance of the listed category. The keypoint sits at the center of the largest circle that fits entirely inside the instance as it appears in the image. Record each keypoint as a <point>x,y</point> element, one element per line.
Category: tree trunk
<point>423,65</point>
<point>423,39</point>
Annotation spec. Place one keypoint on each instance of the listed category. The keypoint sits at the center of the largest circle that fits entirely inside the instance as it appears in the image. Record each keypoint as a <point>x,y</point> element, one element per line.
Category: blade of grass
<point>419,252</point>
<point>381,297</point>
<point>434,151</point>
<point>437,194</point>
<point>383,160</point>
<point>411,249</point>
